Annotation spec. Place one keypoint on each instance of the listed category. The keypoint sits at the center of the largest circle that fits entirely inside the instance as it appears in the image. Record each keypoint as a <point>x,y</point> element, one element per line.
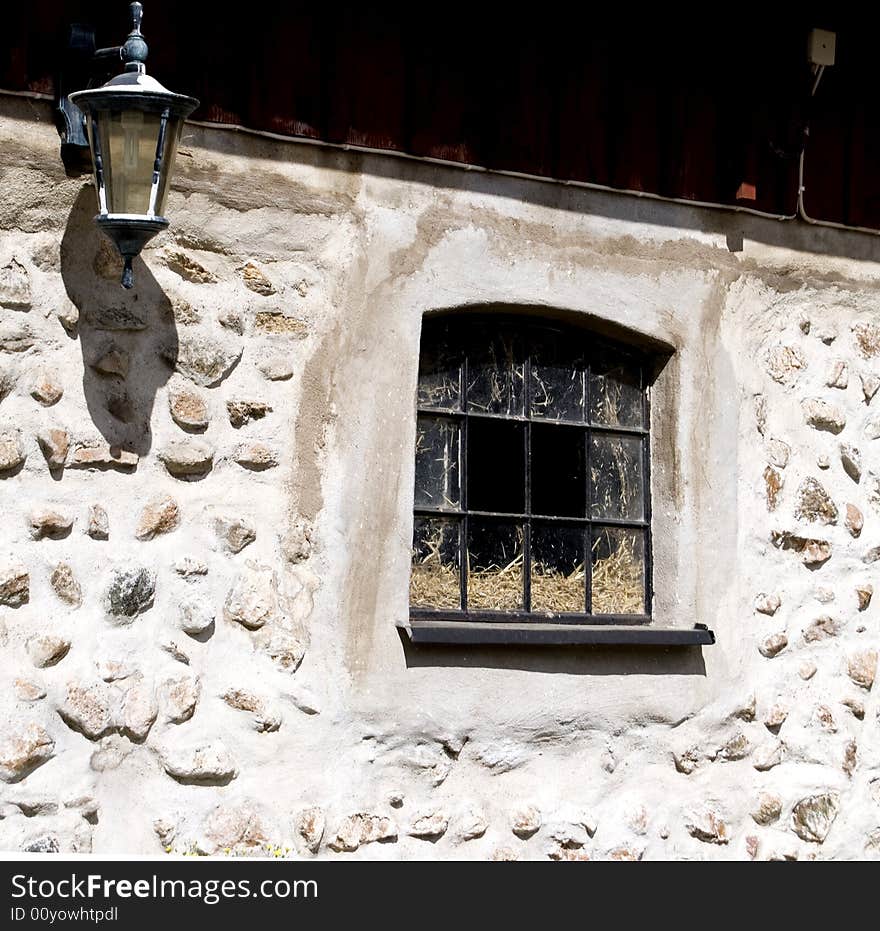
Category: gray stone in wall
<point>130,592</point>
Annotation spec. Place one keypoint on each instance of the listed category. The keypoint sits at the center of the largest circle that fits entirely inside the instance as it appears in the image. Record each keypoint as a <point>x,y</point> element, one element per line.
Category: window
<point>532,492</point>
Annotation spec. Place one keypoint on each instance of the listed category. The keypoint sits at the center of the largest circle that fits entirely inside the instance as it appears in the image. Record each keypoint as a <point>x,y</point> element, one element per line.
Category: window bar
<point>527,524</point>
<point>588,513</point>
<point>646,495</point>
<point>463,556</point>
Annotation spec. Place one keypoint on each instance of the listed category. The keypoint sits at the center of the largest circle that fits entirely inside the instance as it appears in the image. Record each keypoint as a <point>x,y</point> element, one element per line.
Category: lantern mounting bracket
<point>84,66</point>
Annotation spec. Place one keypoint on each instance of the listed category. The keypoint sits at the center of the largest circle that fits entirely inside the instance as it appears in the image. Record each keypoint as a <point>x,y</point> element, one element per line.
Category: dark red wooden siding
<point>701,111</point>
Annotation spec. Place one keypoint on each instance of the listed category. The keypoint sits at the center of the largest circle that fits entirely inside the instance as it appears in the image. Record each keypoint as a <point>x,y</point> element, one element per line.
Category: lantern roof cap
<point>135,90</point>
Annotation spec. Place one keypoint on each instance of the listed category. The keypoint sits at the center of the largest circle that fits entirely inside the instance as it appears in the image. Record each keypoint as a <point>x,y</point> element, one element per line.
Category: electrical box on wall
<point>821,46</point>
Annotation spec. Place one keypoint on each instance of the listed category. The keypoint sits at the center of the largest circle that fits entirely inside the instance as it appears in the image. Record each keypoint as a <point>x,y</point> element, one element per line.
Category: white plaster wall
<point>352,742</point>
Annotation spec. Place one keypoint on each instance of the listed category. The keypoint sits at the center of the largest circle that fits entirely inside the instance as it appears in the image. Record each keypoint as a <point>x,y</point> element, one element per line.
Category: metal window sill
<point>540,634</point>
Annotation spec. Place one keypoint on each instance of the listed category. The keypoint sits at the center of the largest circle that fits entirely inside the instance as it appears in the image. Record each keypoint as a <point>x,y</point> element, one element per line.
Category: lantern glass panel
<point>128,140</point>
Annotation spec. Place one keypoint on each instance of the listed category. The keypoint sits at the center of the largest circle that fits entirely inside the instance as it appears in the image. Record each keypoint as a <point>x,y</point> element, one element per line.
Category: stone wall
<point>206,491</point>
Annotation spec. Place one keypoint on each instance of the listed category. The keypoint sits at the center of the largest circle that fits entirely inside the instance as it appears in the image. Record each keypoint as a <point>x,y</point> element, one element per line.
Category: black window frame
<point>594,345</point>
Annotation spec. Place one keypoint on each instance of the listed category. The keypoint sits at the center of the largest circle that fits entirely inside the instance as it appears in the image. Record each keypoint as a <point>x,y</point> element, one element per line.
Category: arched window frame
<point>528,622</point>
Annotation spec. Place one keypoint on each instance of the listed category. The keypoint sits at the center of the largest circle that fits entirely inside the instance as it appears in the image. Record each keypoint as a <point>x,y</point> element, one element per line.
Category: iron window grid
<point>635,363</point>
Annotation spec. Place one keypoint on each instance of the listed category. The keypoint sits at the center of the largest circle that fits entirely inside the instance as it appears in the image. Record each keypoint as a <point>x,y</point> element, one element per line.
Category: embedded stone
<point>823,462</point>
<point>255,456</point>
<point>429,825</point>
<point>862,667</point>
<point>784,363</point>
<point>854,520</point>
<point>112,670</point>
<point>297,542</point>
<point>65,585</point>
<point>276,368</point>
<point>768,755</point>
<point>187,406</point>
<point>746,711</point>
<point>807,670</point>
<point>99,455</point>
<point>767,809</point>
<point>775,717</point>
<point>256,281</point>
<point>139,710</point>
<point>821,629</point>
<point>231,321</point>
<point>856,707</point>
<point>812,817</point>
<point>768,604</point>
<point>179,698</point>
<point>116,319</point>
<point>98,527</point>
<point>309,826</point>
<point>23,747</point>
<point>200,763</point>
<point>773,482</point>
<point>55,444</point>
<point>88,709</point>
<point>130,592</point>
<point>14,586</point>
<point>188,268</point>
<point>47,650</point>
<point>184,313</point>
<point>170,647</point>
<point>821,415</point>
<point>12,454</point>
<point>838,377</point>
<point>205,360</point>
<point>851,459</point>
<point>195,617</point>
<point>870,384</point>
<point>814,552</point>
<point>189,567</point>
<point>471,824</point>
<point>253,599</point>
<point>237,829</point>
<point>814,504</point>
<point>242,411</point>
<point>778,452</point>
<point>187,457</point>
<point>15,337</point>
<point>707,825</point>
<point>871,555</point>
<point>112,750</point>
<point>159,516</point>
<point>15,286</point>
<point>264,717</point>
<point>773,645</point>
<point>850,757</point>
<point>503,855</point>
<point>823,594</point>
<point>235,533</point>
<point>363,828</point>
<point>525,820</point>
<point>285,647</point>
<point>44,522</point>
<point>114,361</point>
<point>867,337</point>
<point>872,428</point>
<point>825,719</point>
<point>864,593</point>
<point>736,748</point>
<point>45,389</point>
<point>25,690</point>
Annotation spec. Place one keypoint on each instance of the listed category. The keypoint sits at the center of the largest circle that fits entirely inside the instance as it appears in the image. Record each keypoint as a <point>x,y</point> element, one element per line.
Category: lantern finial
<point>134,50</point>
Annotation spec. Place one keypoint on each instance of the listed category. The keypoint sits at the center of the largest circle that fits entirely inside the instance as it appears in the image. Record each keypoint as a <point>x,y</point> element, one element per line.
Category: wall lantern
<point>132,125</point>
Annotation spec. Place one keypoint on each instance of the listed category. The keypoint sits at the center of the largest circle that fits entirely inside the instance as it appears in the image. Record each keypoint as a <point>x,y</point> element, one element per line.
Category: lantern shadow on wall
<point>128,338</point>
